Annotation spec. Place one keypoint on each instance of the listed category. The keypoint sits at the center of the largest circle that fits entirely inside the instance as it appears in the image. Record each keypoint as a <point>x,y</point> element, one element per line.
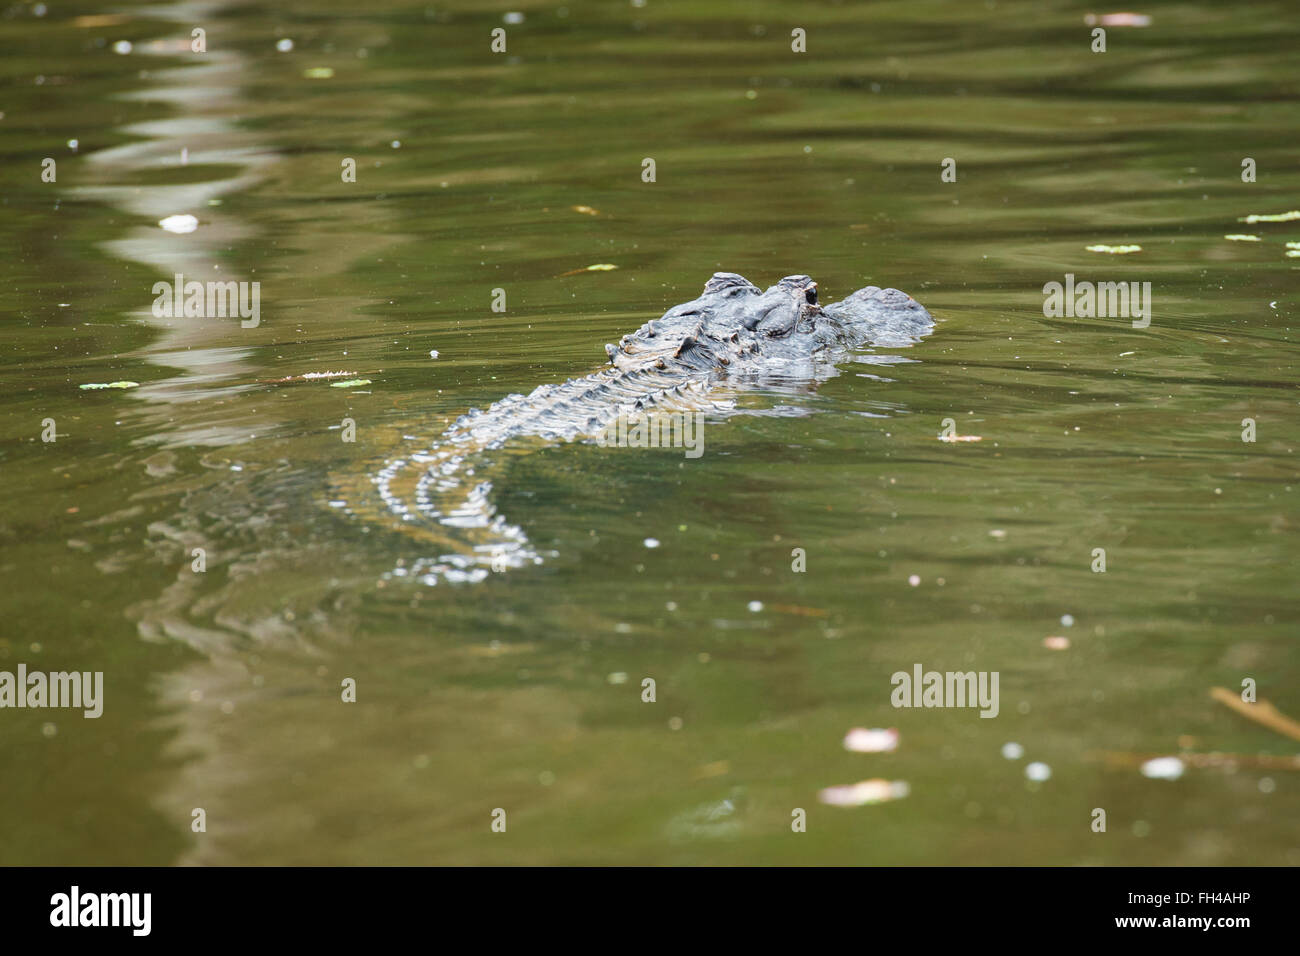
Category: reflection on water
<point>825,540</point>
<point>200,137</point>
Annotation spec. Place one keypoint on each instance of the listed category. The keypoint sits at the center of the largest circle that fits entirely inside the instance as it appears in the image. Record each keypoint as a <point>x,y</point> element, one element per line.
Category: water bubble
<point>1012,750</point>
<point>284,45</point>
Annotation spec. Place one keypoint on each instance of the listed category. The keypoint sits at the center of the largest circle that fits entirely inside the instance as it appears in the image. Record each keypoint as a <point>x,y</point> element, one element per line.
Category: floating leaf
<point>1271,217</point>
<point>1240,238</point>
<point>90,385</point>
<point>318,73</point>
<point>350,383</point>
<point>865,792</point>
<point>598,267</point>
<point>1114,250</point>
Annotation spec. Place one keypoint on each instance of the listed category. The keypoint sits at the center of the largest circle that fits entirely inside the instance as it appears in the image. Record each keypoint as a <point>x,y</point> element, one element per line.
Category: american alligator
<point>733,336</point>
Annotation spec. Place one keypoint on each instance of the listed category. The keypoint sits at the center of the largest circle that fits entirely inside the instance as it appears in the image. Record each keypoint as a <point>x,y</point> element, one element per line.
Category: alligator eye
<point>811,294</point>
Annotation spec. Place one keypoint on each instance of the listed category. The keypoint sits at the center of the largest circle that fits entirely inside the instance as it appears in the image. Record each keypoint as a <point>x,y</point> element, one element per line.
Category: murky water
<point>478,171</point>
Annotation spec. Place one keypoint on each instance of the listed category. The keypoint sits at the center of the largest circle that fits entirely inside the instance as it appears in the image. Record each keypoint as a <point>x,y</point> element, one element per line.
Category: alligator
<point>732,337</point>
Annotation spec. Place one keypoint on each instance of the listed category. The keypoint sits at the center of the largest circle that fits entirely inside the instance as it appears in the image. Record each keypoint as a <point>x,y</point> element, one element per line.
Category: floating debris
<point>284,45</point>
<point>598,267</point>
<point>1056,643</point>
<point>1114,250</point>
<point>712,820</point>
<point>1067,620</point>
<point>350,383</point>
<point>874,741</point>
<point>94,385</point>
<point>306,377</point>
<point>1012,750</point>
<point>1038,771</point>
<point>586,210</point>
<point>800,610</point>
<point>997,533</point>
<point>433,353</point>
<point>618,677</point>
<point>961,438</point>
<point>914,580</point>
<point>179,224</point>
<point>1202,761</point>
<point>718,768</point>
<point>1261,711</point>
<point>1163,768</point>
<point>1291,216</point>
<point>90,21</point>
<point>1117,19</point>
<point>318,73</point>
<point>1235,237</point>
<point>651,542</point>
<point>864,792</point>
<point>755,606</point>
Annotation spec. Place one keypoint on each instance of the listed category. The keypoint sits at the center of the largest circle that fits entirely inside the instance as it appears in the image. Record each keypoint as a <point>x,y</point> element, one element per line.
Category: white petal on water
<point>875,740</point>
<point>1163,768</point>
<point>179,224</point>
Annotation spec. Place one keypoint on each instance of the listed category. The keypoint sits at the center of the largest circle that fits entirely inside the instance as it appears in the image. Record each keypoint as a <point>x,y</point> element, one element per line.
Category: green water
<point>222,688</point>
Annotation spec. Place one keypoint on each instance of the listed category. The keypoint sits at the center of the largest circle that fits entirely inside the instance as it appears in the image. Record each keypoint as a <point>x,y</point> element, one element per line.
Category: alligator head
<point>733,321</point>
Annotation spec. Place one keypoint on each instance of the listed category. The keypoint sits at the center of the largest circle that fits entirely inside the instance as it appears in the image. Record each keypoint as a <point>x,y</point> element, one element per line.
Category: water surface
<point>479,171</point>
